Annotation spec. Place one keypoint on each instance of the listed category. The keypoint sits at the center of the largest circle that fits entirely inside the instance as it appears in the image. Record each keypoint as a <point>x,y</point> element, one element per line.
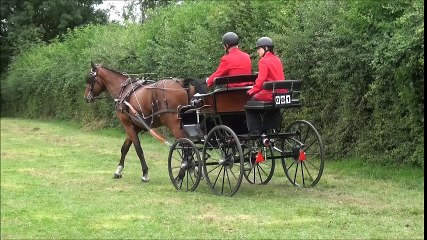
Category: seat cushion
<point>258,105</point>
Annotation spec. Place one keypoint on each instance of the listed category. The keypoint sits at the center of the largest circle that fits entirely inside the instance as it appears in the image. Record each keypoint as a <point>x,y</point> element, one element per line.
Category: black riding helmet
<point>230,39</point>
<point>265,42</point>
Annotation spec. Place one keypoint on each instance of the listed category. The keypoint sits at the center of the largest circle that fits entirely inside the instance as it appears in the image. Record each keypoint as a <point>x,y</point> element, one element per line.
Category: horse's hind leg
<point>132,133</point>
<point>124,151</point>
<point>140,153</point>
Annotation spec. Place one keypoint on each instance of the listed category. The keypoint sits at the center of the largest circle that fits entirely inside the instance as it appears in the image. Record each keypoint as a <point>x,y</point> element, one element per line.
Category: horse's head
<point>94,86</point>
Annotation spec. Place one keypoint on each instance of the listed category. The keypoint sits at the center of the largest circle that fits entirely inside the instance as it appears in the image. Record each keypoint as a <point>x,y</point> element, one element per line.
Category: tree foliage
<point>25,23</point>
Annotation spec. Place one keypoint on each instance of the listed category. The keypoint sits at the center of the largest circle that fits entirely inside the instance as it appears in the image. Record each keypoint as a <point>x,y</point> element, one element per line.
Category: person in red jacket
<point>234,62</point>
<point>270,68</point>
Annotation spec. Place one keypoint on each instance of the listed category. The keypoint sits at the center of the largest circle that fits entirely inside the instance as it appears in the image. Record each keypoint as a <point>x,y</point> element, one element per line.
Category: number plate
<point>282,100</point>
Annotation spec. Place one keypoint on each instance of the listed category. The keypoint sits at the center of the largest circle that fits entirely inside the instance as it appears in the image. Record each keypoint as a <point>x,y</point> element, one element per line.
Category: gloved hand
<point>207,83</point>
<point>250,92</point>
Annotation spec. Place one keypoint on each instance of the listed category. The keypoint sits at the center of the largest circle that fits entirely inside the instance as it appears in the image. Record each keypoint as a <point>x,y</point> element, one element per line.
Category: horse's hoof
<point>178,182</point>
<point>145,178</point>
<point>117,176</point>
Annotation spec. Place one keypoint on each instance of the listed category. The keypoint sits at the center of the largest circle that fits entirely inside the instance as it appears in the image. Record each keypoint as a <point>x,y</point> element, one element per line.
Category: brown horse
<point>157,104</point>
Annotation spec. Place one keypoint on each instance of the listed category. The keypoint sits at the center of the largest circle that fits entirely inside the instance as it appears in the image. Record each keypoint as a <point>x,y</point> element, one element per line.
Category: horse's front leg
<point>124,151</point>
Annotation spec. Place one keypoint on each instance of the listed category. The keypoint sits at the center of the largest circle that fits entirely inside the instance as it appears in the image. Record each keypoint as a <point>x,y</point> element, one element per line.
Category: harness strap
<point>121,106</point>
<point>119,101</point>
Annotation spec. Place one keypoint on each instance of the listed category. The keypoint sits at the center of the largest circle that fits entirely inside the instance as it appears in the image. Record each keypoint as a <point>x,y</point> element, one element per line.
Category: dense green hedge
<point>361,63</point>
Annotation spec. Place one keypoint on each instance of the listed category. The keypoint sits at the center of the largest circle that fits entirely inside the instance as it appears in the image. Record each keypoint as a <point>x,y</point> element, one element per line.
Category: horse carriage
<point>228,137</point>
<point>221,136</point>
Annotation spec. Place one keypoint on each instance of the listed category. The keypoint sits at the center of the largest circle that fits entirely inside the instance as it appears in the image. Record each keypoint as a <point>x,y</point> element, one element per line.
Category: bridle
<point>92,81</point>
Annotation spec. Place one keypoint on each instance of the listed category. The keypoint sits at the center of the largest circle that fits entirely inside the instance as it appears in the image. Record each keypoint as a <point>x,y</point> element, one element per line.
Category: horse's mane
<point>112,70</point>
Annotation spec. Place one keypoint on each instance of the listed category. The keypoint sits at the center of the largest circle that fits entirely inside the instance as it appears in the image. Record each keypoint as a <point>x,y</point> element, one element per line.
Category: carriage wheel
<point>259,172</point>
<point>184,165</point>
<point>305,167</point>
<point>222,161</point>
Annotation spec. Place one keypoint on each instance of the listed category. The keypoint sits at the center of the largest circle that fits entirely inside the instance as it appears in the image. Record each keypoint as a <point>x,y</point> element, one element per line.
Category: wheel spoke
<point>217,166</point>
<point>306,135</point>
<point>308,161</point>
<point>295,175</point>
<point>308,146</point>
<point>223,179</point>
<point>308,171</point>
<point>262,169</point>
<point>259,173</point>
<point>232,173</point>
<point>189,177</point>
<point>302,174</point>
<point>291,165</point>
<point>219,173</point>
<point>254,181</point>
<point>228,178</point>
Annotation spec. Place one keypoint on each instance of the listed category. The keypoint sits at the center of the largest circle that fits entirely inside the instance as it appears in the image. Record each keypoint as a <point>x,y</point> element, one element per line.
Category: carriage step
<point>193,131</point>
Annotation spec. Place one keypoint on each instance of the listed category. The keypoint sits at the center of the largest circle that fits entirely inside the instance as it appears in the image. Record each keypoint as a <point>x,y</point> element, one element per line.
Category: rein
<point>163,88</point>
<point>99,97</point>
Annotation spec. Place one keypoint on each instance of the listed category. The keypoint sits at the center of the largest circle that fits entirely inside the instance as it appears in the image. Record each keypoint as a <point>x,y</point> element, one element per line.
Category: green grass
<point>56,182</point>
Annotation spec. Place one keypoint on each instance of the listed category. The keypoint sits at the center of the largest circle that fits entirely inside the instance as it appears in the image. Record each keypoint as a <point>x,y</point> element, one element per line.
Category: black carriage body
<point>231,132</point>
<point>259,121</point>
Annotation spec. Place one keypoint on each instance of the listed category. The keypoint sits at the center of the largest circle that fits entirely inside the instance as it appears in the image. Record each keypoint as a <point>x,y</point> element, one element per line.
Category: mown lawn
<point>56,182</point>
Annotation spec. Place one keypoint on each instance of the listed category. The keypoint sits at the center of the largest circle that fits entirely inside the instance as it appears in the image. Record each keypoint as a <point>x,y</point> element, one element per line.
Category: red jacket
<point>235,62</point>
<point>269,69</point>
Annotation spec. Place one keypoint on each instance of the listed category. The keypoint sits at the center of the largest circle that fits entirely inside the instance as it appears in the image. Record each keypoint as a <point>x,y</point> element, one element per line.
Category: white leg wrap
<point>119,170</point>
<point>145,178</point>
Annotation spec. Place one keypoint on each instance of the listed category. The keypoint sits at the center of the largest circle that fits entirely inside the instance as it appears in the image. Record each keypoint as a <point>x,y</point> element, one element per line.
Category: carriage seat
<point>232,79</point>
<point>258,105</point>
<point>280,100</point>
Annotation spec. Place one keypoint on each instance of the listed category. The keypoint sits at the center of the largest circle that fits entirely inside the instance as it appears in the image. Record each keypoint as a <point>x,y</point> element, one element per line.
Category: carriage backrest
<point>291,85</point>
<point>284,99</point>
<point>229,99</point>
<point>281,99</point>
<point>235,79</point>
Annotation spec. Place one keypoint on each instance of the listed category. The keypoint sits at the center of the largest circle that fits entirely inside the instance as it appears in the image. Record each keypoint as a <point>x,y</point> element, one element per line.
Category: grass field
<point>56,182</point>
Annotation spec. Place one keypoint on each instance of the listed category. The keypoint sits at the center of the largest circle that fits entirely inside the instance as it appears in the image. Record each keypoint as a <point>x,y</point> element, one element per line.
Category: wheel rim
<point>305,168</point>
<point>261,172</point>
<point>222,161</point>
<point>184,165</point>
